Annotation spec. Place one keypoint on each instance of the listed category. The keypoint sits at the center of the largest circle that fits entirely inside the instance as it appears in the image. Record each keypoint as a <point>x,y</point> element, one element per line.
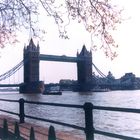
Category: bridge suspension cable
<point>11,71</point>
<point>103,75</point>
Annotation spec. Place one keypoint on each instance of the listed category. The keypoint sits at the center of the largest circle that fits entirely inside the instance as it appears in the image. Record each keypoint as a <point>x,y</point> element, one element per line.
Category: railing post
<point>17,132</point>
<point>21,110</point>
<point>51,133</point>
<point>5,130</point>
<point>32,134</point>
<point>89,130</point>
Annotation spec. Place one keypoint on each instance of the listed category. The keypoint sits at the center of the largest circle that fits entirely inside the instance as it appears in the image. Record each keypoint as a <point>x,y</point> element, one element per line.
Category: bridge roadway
<point>49,85</point>
<point>61,58</point>
<point>9,85</point>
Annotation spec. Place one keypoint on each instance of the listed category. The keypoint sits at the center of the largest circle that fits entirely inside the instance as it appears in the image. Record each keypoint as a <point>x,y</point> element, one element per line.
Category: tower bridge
<point>31,59</point>
<point>31,68</point>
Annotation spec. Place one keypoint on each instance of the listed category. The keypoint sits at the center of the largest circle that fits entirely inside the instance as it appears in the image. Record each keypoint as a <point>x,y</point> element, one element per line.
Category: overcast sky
<point>127,36</point>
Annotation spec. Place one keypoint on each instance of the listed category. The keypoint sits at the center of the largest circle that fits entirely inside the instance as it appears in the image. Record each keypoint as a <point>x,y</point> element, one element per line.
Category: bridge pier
<point>86,87</point>
<point>32,87</point>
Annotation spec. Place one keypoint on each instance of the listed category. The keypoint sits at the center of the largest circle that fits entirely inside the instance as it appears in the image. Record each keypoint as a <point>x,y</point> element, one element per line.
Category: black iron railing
<point>88,111</point>
<point>5,134</point>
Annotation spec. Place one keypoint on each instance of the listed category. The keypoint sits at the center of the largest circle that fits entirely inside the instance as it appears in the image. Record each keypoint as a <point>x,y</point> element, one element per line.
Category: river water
<point>116,122</point>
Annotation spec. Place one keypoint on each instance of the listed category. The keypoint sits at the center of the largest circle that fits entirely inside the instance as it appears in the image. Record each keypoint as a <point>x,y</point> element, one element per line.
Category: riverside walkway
<point>41,133</point>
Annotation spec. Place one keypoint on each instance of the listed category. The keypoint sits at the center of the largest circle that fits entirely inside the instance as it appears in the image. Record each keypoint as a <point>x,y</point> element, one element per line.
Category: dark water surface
<point>116,122</point>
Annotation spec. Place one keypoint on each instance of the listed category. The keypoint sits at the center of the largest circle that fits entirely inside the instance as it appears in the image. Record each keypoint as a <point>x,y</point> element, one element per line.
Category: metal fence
<point>88,112</point>
<point>5,134</point>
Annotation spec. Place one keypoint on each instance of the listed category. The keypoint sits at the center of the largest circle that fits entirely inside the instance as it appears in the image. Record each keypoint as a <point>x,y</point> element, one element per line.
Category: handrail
<point>88,109</point>
<point>115,135</point>
<point>16,101</point>
<point>54,104</point>
<point>10,112</point>
<point>128,110</point>
<point>56,122</point>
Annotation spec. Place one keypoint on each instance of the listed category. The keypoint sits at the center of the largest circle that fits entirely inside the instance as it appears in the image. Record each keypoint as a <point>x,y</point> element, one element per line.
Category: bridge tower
<point>84,70</point>
<point>31,70</point>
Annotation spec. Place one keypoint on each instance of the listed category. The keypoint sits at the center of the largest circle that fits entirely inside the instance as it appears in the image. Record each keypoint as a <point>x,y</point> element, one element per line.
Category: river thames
<point>117,122</point>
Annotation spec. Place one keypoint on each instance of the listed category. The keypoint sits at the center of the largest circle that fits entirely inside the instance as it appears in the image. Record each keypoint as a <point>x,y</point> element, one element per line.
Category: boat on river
<point>100,90</point>
<point>53,91</point>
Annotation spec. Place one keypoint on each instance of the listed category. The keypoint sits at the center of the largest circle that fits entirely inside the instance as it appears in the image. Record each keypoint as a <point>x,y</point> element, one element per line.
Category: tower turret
<point>84,69</point>
<point>31,69</point>
<point>31,63</point>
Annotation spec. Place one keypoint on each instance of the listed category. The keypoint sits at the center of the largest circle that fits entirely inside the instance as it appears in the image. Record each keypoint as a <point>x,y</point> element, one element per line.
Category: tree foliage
<point>99,17</point>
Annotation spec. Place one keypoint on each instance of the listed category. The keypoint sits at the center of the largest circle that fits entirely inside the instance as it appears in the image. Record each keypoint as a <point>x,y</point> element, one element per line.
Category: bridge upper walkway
<point>61,58</point>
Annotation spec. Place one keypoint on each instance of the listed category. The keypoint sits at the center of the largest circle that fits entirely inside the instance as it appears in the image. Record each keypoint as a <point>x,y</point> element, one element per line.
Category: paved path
<point>41,133</point>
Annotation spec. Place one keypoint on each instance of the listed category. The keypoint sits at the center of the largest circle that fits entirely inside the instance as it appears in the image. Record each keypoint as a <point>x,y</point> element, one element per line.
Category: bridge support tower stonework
<point>84,70</point>
<point>31,70</point>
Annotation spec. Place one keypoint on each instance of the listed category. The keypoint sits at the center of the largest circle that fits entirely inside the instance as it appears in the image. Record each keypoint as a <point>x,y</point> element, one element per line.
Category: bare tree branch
<point>99,17</point>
